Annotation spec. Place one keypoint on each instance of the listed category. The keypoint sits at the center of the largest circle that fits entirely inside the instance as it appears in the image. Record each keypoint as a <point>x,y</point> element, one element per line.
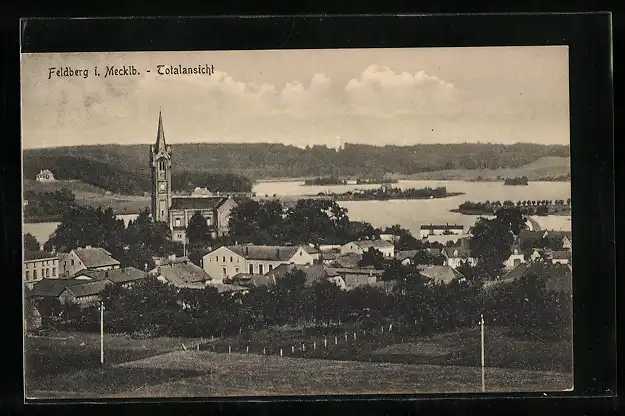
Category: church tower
<point>160,168</point>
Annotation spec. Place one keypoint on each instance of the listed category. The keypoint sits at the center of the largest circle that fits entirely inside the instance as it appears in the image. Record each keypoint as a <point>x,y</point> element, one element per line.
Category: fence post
<point>280,352</point>
<point>325,342</point>
<point>303,347</point>
<point>229,349</point>
<point>263,350</point>
<point>336,340</point>
<point>390,327</point>
<point>292,349</point>
<point>247,350</point>
<point>354,335</point>
<point>382,329</point>
<point>314,345</point>
<point>346,336</point>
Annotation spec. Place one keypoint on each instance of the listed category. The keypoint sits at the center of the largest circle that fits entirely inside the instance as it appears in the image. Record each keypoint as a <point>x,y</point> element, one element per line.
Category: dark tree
<point>198,231</point>
<point>31,243</point>
<point>490,245</point>
<point>372,257</point>
<point>512,218</point>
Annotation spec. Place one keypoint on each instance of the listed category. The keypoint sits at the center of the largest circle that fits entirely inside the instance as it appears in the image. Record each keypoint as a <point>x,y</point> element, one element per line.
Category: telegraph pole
<point>482,347</point>
<point>102,332</point>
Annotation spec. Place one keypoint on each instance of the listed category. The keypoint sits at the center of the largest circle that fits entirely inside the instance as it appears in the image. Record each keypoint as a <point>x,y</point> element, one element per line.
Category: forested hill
<point>116,163</point>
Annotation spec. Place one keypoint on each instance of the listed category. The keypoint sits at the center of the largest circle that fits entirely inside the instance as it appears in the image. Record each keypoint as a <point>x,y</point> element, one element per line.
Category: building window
<point>270,267</point>
<point>72,262</point>
<point>34,274</point>
<point>224,270</point>
<point>47,272</point>
<point>230,259</point>
<point>53,271</point>
<point>260,269</point>
<point>177,222</point>
<point>251,269</point>
<point>223,259</point>
<point>236,270</point>
<point>27,275</point>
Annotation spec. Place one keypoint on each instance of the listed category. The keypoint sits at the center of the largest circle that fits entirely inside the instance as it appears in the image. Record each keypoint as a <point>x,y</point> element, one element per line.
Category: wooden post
<point>101,332</point>
<point>263,350</point>
<point>482,336</point>
<point>325,342</point>
<point>336,340</point>
<point>247,350</point>
<point>382,329</point>
<point>354,335</point>
<point>229,349</point>
<point>346,336</point>
<point>280,352</point>
<point>314,345</point>
<point>303,347</point>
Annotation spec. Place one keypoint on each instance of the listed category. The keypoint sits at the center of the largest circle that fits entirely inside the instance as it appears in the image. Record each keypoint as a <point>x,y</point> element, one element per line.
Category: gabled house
<point>406,257</point>
<point>360,247</point>
<point>92,258</point>
<point>356,277</point>
<point>455,256</point>
<point>125,277</point>
<point>440,274</point>
<point>181,275</point>
<point>561,257</point>
<point>314,273</point>
<point>228,261</point>
<point>70,291</point>
<point>516,257</point>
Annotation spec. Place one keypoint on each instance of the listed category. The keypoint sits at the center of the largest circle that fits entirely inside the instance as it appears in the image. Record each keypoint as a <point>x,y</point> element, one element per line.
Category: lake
<point>410,214</point>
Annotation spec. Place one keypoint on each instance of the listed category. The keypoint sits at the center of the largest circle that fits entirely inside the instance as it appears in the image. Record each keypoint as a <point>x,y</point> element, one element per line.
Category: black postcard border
<point>588,36</point>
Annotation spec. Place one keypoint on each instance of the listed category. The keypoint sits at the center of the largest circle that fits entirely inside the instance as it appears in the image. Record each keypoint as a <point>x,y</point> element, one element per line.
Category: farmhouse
<point>359,247</point>
<point>39,265</point>
<point>455,256</point>
<point>406,257</point>
<point>516,257</point>
<point>561,257</point>
<point>124,277</point>
<point>229,261</point>
<point>181,273</point>
<point>92,258</point>
<point>314,273</point>
<point>69,291</point>
<point>356,277</point>
<point>447,229</point>
<point>45,175</point>
<point>440,274</point>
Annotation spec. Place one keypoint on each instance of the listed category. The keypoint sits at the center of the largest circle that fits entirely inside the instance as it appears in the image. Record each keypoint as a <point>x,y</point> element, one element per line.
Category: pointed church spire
<point>160,135</point>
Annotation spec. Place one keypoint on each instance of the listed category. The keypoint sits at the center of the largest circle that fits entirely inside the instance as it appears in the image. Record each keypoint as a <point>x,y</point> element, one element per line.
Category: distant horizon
<point>303,147</point>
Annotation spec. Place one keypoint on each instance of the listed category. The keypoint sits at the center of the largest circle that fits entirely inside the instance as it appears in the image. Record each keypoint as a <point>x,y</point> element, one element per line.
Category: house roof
<point>268,253</point>
<point>442,227</point>
<point>52,287</point>
<point>182,273</point>
<point>246,279</point>
<point>38,255</point>
<point>444,274</point>
<point>95,257</point>
<point>88,288</point>
<point>310,250</point>
<point>462,252</point>
<point>344,270</point>
<point>561,255</point>
<point>433,251</point>
<point>405,254</point>
<point>314,273</point>
<point>197,202</point>
<point>225,288</point>
<point>347,260</point>
<point>366,244</point>
<point>125,275</point>
<point>160,261</point>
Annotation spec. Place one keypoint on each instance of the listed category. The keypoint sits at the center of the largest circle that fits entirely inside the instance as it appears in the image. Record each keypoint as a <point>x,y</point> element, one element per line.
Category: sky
<point>302,97</point>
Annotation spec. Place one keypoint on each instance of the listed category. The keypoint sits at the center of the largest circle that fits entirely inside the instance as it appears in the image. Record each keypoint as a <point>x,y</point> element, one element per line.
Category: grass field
<point>67,365</point>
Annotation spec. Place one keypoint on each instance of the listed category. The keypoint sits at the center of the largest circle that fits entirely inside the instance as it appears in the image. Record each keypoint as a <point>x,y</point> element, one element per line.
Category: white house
<point>228,261</point>
<point>359,247</point>
<point>455,256</point>
<point>39,265</point>
<point>516,257</point>
<point>45,176</point>
<point>92,258</point>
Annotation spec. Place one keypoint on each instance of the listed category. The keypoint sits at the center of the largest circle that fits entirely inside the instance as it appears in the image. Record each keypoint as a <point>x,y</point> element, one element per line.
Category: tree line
<point>152,308</point>
<point>263,160</point>
<point>125,178</point>
<point>527,207</point>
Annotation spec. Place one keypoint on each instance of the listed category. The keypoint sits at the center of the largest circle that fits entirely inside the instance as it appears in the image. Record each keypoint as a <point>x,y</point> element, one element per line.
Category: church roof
<point>212,202</point>
<point>160,135</point>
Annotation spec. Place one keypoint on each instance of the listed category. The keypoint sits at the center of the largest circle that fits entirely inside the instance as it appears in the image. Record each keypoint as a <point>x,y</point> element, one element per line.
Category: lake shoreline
<point>353,199</point>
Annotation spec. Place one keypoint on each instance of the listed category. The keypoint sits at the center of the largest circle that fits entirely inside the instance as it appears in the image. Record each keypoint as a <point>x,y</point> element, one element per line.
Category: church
<point>177,210</point>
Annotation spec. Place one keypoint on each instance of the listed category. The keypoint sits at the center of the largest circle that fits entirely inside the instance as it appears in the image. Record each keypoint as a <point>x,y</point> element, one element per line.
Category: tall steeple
<point>160,135</point>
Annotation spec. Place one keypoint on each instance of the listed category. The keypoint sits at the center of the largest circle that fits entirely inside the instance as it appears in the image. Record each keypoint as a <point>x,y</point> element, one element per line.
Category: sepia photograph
<point>296,222</point>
